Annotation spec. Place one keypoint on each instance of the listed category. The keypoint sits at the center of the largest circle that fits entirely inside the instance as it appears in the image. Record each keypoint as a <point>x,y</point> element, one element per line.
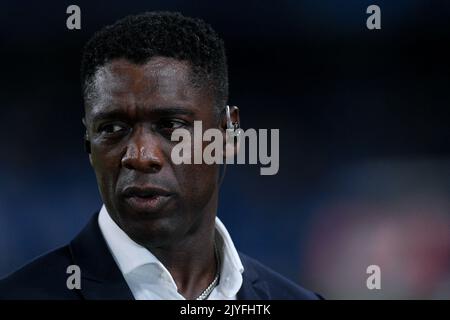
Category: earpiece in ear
<point>229,122</point>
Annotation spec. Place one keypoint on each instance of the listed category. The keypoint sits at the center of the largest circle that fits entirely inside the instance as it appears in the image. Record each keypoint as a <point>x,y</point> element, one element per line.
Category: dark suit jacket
<point>46,277</point>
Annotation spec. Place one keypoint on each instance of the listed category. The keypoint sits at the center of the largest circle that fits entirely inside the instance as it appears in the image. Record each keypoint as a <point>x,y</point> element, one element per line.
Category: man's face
<point>130,120</point>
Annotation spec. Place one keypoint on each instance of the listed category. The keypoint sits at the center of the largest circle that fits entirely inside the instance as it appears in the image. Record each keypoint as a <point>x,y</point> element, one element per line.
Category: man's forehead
<point>161,71</point>
<point>161,81</point>
<point>121,80</point>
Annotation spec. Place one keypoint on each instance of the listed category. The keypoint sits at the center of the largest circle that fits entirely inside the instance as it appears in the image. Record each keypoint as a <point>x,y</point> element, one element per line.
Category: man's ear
<point>231,126</point>
<point>87,142</point>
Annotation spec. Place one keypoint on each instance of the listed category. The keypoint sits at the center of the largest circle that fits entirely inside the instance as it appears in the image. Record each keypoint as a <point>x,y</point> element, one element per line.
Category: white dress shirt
<point>148,278</point>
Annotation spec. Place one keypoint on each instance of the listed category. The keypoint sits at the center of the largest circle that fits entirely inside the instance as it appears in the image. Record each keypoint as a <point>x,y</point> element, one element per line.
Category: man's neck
<point>191,261</point>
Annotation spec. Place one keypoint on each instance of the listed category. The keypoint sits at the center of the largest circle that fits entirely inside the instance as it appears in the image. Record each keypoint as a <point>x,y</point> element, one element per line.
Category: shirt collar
<point>130,255</point>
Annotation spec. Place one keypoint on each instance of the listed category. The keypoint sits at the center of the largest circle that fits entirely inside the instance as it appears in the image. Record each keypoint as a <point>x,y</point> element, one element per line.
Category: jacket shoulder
<point>43,278</point>
<point>277,286</point>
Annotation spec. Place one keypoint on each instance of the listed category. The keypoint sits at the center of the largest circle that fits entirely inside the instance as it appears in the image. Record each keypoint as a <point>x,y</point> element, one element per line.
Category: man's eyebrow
<point>110,114</point>
<point>156,111</point>
<point>174,110</point>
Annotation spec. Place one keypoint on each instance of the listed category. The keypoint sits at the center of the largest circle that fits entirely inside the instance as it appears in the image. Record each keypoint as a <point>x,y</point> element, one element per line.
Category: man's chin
<point>150,230</point>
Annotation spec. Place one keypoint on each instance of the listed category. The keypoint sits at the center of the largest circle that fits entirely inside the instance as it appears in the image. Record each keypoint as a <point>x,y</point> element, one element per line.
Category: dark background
<point>363,118</point>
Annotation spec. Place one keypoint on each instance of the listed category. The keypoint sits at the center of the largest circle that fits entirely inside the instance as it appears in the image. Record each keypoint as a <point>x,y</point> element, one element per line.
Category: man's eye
<point>171,124</point>
<point>112,128</point>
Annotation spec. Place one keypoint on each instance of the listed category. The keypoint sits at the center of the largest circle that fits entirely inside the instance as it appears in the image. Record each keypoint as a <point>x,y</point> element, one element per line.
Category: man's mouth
<point>147,199</point>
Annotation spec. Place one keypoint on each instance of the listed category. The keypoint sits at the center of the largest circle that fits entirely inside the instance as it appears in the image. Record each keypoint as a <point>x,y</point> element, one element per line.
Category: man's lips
<point>144,191</point>
<point>146,199</point>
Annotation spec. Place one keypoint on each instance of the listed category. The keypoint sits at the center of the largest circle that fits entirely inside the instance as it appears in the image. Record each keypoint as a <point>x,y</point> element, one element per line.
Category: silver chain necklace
<point>205,294</point>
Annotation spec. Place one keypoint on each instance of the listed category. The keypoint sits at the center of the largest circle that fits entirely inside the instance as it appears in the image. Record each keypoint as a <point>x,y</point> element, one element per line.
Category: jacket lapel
<point>253,288</point>
<point>101,277</point>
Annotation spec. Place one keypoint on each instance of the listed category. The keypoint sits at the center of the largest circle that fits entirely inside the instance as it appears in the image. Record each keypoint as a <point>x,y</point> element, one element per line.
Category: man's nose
<point>143,153</point>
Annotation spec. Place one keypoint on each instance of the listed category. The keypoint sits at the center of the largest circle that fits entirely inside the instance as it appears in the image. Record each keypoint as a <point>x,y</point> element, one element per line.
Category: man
<point>157,235</point>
